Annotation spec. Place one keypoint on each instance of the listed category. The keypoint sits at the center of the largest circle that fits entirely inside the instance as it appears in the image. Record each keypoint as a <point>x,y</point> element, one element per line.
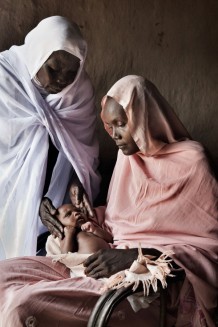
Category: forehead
<point>113,111</point>
<point>64,208</point>
<point>64,59</point>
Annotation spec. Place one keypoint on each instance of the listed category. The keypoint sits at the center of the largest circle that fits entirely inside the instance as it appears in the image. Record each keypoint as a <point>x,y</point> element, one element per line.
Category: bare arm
<point>103,234</point>
<point>98,231</point>
<point>68,243</point>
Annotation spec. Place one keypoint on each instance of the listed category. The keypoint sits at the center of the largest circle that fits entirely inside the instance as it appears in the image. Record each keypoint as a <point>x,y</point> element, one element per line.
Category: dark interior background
<point>174,43</point>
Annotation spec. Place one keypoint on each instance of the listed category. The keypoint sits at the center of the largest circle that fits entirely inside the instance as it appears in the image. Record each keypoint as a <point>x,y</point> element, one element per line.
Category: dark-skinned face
<point>115,121</point>
<point>58,71</point>
<point>69,215</point>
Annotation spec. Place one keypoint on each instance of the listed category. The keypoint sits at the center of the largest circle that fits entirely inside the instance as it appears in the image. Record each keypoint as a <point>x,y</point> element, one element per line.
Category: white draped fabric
<point>26,121</point>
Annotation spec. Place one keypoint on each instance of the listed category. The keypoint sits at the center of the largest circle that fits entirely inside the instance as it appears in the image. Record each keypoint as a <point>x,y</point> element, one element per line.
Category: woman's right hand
<point>105,263</point>
<point>79,197</point>
<point>47,214</point>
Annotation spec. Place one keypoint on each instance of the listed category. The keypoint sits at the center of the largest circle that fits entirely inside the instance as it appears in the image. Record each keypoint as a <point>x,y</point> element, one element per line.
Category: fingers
<point>96,273</point>
<point>96,270</point>
<point>56,223</point>
<point>80,199</point>
<point>54,231</point>
<point>76,192</point>
<point>52,209</point>
<point>49,206</point>
<point>85,227</point>
<point>82,209</point>
<point>53,222</point>
<point>87,205</point>
<point>96,266</point>
<point>90,259</point>
<point>88,227</point>
<point>47,213</point>
<point>93,266</point>
<point>76,195</point>
<point>92,270</point>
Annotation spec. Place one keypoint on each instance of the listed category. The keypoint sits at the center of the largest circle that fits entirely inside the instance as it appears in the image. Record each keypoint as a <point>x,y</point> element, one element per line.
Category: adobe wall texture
<point>174,43</point>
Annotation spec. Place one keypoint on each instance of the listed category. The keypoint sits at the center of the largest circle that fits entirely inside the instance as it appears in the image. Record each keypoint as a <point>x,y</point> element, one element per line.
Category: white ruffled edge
<point>144,270</point>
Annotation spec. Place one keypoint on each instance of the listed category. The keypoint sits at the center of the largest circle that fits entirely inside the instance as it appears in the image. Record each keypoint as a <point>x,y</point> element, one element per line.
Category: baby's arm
<point>98,231</point>
<point>68,243</point>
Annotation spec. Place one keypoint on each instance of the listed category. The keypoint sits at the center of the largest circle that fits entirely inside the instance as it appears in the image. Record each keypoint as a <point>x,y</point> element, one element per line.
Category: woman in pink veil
<point>162,198</point>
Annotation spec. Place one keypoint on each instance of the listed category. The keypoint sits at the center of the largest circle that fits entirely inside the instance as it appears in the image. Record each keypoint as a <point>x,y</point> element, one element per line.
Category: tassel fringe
<point>144,270</point>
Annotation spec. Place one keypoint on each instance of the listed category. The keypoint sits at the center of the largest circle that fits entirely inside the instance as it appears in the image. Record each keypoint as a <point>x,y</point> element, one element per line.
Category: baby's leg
<point>90,243</point>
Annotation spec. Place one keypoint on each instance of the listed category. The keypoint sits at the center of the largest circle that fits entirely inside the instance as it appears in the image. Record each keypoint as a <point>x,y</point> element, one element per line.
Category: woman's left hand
<point>80,198</point>
<point>47,213</point>
<point>105,263</point>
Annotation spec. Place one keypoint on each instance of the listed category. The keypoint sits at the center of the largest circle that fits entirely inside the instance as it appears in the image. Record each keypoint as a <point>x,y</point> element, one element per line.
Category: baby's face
<point>69,215</point>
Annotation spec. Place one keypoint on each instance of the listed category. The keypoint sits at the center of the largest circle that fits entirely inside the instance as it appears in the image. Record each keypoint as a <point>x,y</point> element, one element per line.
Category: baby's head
<point>69,215</point>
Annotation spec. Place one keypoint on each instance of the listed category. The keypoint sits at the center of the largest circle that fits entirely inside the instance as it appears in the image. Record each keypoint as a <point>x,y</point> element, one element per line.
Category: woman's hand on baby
<point>88,227</point>
<point>80,199</point>
<point>47,213</point>
<point>105,263</point>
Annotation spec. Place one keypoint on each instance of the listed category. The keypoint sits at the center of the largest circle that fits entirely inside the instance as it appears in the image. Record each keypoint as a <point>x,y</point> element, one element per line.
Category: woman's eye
<point>121,124</point>
<point>107,126</point>
<point>51,70</point>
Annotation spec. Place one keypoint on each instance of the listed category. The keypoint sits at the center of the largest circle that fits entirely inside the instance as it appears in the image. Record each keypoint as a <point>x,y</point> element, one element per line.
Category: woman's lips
<point>121,146</point>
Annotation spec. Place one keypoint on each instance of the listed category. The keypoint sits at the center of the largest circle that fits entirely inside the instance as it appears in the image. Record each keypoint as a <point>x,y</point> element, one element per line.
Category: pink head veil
<point>151,120</point>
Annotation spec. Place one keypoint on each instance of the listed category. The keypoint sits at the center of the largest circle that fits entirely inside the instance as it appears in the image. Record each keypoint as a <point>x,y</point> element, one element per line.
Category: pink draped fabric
<point>163,197</point>
<point>176,210</point>
<point>36,292</point>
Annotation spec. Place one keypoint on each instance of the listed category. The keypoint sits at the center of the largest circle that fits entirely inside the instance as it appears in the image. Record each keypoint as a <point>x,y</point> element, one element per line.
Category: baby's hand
<point>88,227</point>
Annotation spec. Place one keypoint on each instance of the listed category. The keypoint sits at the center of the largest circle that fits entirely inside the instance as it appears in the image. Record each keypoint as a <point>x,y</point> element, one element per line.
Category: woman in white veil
<point>45,95</point>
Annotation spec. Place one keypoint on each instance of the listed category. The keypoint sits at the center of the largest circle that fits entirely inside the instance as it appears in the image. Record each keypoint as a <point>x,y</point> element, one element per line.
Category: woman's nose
<point>115,134</point>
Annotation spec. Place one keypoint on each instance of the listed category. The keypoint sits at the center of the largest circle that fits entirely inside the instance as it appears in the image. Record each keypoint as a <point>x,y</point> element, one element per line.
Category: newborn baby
<point>80,233</point>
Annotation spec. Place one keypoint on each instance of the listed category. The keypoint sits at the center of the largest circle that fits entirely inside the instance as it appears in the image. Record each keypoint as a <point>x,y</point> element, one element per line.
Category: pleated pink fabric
<point>162,197</point>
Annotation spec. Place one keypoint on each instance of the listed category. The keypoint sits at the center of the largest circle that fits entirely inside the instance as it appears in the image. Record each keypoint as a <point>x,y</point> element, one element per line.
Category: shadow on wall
<point>106,170</point>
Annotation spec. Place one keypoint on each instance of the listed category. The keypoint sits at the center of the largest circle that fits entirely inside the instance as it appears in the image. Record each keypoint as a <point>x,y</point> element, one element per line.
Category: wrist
<point>70,230</point>
<point>152,252</point>
<point>145,251</point>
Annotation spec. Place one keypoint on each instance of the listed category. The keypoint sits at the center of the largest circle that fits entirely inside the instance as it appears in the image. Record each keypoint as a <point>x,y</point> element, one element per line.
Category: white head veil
<point>51,34</point>
<point>26,120</point>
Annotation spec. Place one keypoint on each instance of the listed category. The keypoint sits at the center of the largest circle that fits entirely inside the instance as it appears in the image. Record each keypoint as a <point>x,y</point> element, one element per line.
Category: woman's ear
<point>103,101</point>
